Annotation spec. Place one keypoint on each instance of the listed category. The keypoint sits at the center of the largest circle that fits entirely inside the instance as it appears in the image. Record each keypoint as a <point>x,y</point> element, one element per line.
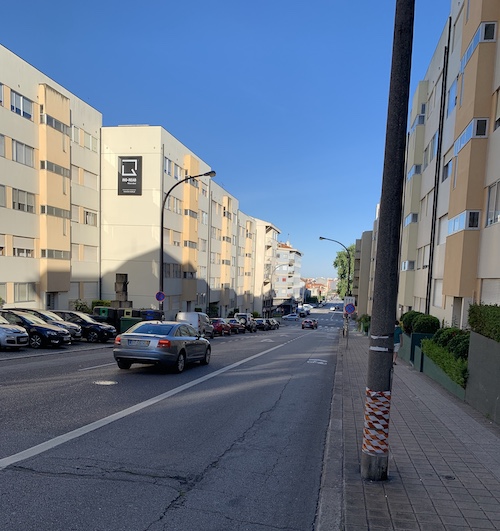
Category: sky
<point>285,99</point>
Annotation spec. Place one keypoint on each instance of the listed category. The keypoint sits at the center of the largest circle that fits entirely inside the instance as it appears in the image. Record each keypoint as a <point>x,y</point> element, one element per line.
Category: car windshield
<point>53,316</point>
<point>86,317</point>
<point>33,319</point>
<point>151,329</point>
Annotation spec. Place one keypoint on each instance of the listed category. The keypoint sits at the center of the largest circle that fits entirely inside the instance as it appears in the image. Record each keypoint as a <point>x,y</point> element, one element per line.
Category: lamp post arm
<point>348,262</point>
<point>186,179</point>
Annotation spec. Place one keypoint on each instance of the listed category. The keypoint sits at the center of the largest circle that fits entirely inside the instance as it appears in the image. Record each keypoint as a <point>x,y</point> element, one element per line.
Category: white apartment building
<point>49,190</point>
<point>90,212</point>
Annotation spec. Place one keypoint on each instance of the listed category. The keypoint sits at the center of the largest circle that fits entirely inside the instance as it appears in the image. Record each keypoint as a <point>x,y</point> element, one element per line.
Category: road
<point>236,445</point>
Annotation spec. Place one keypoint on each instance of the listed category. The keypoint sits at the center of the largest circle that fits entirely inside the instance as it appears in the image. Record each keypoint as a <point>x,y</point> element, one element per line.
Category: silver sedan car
<point>163,343</point>
<point>12,336</point>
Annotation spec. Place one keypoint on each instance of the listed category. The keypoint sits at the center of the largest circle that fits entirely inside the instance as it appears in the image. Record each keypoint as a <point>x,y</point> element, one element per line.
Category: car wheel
<point>123,364</point>
<point>36,341</point>
<point>180,364</point>
<point>206,358</point>
<point>93,337</point>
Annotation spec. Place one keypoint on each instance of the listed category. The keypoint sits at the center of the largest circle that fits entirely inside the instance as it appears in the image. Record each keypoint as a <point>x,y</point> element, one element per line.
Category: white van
<point>199,321</point>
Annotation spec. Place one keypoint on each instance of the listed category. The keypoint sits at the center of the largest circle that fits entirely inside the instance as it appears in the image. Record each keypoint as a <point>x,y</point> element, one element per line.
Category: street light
<point>188,178</point>
<point>348,262</point>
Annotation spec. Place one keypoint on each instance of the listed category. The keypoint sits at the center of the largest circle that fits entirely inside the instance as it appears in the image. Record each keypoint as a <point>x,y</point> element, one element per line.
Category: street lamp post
<point>346,318</point>
<point>167,195</point>
<point>348,263</point>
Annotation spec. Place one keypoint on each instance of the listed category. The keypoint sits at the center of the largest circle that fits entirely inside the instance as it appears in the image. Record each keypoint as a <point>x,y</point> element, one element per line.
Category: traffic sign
<point>350,308</point>
<point>160,296</point>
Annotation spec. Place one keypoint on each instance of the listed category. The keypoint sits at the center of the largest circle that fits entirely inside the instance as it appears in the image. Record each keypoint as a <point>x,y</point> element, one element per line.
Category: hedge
<point>484,319</point>
<point>455,368</point>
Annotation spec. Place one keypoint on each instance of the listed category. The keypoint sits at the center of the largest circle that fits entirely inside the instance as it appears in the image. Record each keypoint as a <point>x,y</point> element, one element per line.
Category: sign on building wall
<point>130,175</point>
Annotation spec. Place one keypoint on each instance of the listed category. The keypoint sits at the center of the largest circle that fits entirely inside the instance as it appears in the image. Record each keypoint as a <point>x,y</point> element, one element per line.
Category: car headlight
<point>51,333</point>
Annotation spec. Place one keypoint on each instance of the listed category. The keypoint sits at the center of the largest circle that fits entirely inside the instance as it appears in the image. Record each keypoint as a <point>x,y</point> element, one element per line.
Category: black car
<point>54,319</point>
<point>92,330</point>
<point>41,334</point>
<point>261,324</point>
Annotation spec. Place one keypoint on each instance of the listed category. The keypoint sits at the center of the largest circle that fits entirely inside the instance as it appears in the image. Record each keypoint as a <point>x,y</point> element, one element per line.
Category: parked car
<point>248,320</point>
<point>309,323</point>
<point>92,331</point>
<point>163,343</point>
<point>52,318</point>
<point>12,336</point>
<point>237,327</point>
<point>272,324</point>
<point>41,334</point>
<point>291,317</point>
<point>261,324</point>
<point>199,321</point>
<point>221,327</point>
<point>275,322</point>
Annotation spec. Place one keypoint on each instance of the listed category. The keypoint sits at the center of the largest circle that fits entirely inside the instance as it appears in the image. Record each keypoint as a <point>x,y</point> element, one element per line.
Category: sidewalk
<point>444,457</point>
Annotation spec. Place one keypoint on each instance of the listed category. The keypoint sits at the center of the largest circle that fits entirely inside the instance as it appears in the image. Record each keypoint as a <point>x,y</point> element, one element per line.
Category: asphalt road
<point>236,445</point>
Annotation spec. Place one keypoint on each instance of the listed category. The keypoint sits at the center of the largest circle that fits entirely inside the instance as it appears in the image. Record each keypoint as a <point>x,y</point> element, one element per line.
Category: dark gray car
<point>163,343</point>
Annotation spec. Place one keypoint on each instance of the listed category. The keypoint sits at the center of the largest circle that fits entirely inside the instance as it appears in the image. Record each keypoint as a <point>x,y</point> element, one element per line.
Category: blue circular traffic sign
<point>350,308</point>
<point>160,296</point>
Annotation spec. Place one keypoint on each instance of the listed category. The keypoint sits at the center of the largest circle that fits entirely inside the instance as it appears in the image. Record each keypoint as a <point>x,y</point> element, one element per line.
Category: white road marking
<point>95,367</point>
<point>66,437</point>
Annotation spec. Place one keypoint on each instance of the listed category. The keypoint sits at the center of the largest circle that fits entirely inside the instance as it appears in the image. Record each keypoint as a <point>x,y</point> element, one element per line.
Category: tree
<point>341,264</point>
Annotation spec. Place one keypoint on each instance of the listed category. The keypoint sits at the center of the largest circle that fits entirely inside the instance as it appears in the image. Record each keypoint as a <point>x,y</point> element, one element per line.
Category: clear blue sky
<point>286,100</point>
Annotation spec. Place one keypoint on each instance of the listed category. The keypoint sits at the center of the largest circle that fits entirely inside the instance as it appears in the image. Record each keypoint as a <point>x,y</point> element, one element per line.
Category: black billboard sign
<point>130,175</point>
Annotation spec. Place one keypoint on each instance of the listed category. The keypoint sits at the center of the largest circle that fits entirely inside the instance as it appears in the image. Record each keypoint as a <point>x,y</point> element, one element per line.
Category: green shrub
<point>407,320</point>
<point>444,335</point>
<point>459,345</point>
<point>82,306</point>
<point>455,368</point>
<point>425,324</point>
<point>99,302</point>
<point>484,319</point>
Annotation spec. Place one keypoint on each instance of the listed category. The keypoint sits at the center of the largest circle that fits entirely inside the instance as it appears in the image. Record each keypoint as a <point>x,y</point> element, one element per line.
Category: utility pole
<point>375,449</point>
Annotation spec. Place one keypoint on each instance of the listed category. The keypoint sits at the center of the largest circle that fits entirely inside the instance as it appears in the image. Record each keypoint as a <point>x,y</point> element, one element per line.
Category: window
<point>467,220</point>
<point>90,218</point>
<point>497,113</point>
<point>21,105</point>
<point>23,201</point>
<point>177,172</point>
<point>476,128</point>
<point>174,205</point>
<point>447,170</point>
<point>485,32</point>
<point>23,154</point>
<point>411,218</point>
<point>191,213</point>
<point>55,211</point>
<point>167,166</point>
<point>190,244</point>
<point>54,168</point>
<point>55,254</point>
<point>2,146</point>
<point>2,195</point>
<point>55,124</point>
<point>87,140</point>
<point>416,169</point>
<point>202,244</point>
<point>1,103</point>
<point>419,120</point>
<point>75,213</point>
<point>452,98</point>
<point>493,204</point>
<point>176,238</point>
<point>204,217</point>
<point>75,134</point>
<point>90,180</point>
<point>89,253</point>
<point>24,291</point>
<point>408,265</point>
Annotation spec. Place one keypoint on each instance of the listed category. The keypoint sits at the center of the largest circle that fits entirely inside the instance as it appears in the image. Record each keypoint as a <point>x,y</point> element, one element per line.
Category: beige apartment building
<point>450,243</point>
<point>90,212</point>
<point>49,190</point>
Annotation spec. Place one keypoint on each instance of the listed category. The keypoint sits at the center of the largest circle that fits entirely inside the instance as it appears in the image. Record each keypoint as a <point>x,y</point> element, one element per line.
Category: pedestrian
<point>397,341</point>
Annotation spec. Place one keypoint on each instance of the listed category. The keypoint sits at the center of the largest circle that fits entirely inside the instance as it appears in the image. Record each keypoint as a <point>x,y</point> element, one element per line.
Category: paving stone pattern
<point>444,460</point>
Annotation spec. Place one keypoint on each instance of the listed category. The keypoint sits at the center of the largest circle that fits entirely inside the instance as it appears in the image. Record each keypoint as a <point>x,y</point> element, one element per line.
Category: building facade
<point>90,212</point>
<point>451,228</point>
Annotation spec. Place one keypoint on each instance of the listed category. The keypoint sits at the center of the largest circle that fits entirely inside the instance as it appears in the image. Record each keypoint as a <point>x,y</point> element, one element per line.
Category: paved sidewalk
<point>444,457</point>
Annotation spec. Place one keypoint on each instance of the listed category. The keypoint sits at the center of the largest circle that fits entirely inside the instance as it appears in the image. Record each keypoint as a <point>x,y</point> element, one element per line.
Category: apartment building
<point>49,189</point>
<point>450,241</point>
<point>90,212</point>
<point>266,266</point>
